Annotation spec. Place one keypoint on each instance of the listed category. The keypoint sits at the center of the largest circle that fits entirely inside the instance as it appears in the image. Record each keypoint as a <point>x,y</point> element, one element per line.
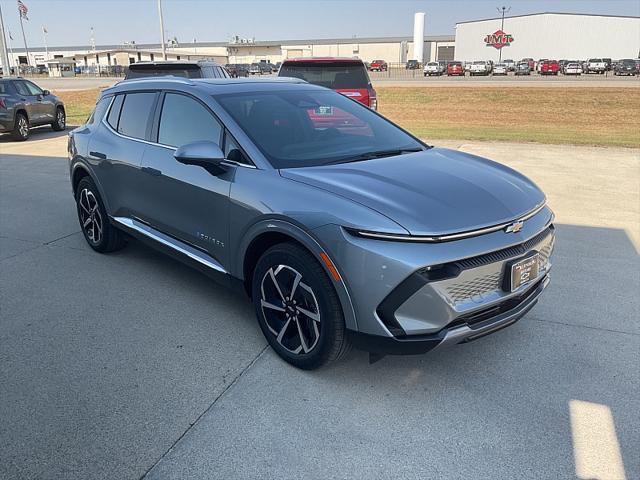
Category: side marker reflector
<point>334,272</point>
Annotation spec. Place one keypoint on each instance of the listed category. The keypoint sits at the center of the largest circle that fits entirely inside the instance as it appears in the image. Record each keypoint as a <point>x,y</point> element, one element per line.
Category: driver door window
<point>185,120</point>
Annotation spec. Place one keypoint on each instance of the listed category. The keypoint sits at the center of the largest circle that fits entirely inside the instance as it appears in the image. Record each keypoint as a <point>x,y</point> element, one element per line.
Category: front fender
<point>311,243</point>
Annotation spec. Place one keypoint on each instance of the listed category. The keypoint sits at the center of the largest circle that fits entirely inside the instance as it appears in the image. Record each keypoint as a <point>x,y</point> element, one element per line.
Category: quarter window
<point>98,111</point>
<point>114,113</point>
<point>185,120</point>
<point>135,114</point>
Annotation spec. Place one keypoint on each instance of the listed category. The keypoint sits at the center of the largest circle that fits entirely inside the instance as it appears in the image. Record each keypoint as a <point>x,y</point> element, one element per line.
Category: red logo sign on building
<point>498,39</point>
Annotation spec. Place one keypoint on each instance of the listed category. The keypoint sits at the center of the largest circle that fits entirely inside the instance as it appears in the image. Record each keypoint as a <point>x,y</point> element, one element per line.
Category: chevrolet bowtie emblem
<point>515,227</point>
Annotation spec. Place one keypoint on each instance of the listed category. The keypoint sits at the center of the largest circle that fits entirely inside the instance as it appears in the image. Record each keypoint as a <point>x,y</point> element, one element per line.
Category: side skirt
<point>187,254</point>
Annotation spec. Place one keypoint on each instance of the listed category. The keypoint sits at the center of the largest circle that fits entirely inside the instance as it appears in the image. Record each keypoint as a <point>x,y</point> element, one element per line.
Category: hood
<point>434,192</point>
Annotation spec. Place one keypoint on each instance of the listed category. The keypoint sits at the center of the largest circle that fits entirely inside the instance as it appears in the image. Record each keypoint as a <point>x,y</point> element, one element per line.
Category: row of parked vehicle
<point>528,65</point>
<point>256,68</point>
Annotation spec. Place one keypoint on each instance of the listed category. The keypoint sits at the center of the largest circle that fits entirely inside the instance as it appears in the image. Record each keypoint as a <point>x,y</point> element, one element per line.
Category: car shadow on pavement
<point>38,133</point>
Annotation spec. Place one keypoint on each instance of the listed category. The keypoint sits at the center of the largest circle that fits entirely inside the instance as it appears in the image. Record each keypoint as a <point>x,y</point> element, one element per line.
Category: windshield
<point>331,75</point>
<point>304,128</point>
<point>628,62</point>
<point>478,63</point>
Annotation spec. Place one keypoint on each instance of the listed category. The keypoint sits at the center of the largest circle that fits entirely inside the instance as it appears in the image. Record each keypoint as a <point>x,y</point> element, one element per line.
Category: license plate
<point>524,271</point>
<point>324,110</point>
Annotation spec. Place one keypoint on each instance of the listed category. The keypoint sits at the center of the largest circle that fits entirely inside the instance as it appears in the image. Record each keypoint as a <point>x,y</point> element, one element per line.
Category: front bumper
<point>407,297</point>
<point>465,330</point>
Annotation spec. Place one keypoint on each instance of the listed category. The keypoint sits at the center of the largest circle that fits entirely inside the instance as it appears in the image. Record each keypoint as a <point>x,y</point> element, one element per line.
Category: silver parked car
<point>343,228</point>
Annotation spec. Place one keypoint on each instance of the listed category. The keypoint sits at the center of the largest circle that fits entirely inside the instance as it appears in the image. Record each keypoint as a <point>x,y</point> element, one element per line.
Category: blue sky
<point>115,21</point>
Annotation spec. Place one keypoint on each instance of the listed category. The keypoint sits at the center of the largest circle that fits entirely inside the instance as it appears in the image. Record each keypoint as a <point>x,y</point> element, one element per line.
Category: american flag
<point>22,8</point>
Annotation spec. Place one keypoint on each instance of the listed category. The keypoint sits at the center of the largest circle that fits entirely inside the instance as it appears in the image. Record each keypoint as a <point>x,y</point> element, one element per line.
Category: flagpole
<point>164,47</point>
<point>24,39</point>
<point>6,66</point>
<point>46,49</point>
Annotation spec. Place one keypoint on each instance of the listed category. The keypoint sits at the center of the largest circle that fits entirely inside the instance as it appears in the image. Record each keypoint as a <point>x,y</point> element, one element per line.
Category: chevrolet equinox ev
<point>344,229</point>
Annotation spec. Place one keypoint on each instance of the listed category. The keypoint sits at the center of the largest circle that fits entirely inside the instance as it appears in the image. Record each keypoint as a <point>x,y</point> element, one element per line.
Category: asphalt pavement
<point>131,365</point>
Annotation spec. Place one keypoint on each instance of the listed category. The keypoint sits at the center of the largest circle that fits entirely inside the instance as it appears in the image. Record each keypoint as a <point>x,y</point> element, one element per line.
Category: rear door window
<point>134,117</point>
<point>21,88</point>
<point>331,75</point>
<point>185,120</point>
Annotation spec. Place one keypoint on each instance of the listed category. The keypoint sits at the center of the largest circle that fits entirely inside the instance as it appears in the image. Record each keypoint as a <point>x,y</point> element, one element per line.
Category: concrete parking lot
<point>132,365</point>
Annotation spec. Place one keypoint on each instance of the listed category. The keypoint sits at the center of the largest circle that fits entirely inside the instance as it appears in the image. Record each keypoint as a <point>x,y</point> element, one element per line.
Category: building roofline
<point>145,47</point>
<point>548,13</point>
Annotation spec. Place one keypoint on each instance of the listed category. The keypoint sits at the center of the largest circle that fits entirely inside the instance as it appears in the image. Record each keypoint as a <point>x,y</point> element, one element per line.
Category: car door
<point>44,103</point>
<point>116,148</point>
<point>185,201</point>
<point>29,101</point>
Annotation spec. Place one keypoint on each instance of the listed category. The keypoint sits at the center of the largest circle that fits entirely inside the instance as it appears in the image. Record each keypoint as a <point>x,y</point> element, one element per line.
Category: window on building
<point>185,120</point>
<point>151,56</point>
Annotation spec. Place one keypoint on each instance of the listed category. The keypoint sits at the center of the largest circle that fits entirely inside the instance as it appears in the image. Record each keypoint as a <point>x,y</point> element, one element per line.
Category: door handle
<point>151,171</point>
<point>99,155</point>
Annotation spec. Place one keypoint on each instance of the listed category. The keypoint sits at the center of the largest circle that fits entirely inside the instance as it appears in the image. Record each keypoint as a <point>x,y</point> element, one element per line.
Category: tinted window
<point>330,75</point>
<point>134,117</point>
<point>185,120</point>
<point>307,128</point>
<point>114,113</point>
<point>98,111</point>
<point>21,88</point>
<point>33,89</point>
<point>232,150</point>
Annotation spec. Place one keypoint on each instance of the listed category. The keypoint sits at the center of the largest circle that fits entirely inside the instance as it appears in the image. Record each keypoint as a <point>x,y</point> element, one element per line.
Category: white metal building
<point>391,49</point>
<point>551,35</point>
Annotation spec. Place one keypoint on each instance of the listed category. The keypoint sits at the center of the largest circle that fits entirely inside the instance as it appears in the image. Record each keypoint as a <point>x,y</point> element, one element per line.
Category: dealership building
<point>549,35</point>
<point>540,35</point>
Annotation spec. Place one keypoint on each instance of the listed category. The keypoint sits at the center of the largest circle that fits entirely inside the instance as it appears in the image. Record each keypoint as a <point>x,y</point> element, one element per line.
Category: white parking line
<point>596,449</point>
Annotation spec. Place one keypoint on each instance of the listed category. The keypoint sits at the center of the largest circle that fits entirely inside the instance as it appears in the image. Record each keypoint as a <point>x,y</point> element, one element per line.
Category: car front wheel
<point>298,308</point>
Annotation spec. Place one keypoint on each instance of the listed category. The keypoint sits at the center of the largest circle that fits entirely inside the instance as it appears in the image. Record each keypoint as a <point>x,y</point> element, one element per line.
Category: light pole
<point>502,10</point>
<point>164,47</point>
<point>4,56</point>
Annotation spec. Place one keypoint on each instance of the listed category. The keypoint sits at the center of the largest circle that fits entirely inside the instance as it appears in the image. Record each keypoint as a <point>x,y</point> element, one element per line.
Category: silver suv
<point>343,228</point>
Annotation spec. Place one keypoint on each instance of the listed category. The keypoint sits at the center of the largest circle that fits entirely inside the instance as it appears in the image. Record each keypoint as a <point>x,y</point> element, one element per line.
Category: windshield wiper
<point>376,154</point>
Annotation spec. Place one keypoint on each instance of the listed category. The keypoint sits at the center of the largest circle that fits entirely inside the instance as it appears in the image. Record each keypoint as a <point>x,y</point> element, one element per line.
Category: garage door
<point>294,53</point>
<point>446,53</point>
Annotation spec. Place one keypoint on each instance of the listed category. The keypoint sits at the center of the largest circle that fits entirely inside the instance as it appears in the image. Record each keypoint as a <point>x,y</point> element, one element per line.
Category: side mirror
<point>46,92</point>
<point>205,154</point>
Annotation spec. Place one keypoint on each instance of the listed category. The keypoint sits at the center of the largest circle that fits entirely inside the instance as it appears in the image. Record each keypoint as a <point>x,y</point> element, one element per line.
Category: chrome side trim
<point>452,236</point>
<point>168,147</point>
<point>177,245</point>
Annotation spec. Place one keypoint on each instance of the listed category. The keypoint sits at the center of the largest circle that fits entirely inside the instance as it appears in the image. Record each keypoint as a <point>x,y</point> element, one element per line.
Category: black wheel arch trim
<point>78,164</point>
<point>305,238</point>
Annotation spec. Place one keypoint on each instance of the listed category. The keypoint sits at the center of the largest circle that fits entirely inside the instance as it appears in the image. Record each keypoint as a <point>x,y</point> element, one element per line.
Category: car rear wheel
<point>60,122</point>
<point>298,308</point>
<point>21,127</point>
<point>96,228</point>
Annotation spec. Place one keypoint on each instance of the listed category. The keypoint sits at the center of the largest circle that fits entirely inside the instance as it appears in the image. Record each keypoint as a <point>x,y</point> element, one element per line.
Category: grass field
<point>581,116</point>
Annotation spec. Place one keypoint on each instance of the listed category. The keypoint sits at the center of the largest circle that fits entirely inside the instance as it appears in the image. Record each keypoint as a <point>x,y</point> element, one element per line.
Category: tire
<point>60,123</point>
<point>21,128</point>
<point>94,222</point>
<point>307,340</point>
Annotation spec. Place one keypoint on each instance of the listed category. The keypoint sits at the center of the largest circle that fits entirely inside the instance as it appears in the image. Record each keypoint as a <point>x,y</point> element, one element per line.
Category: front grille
<point>480,278</point>
<point>474,288</point>
<point>505,253</point>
